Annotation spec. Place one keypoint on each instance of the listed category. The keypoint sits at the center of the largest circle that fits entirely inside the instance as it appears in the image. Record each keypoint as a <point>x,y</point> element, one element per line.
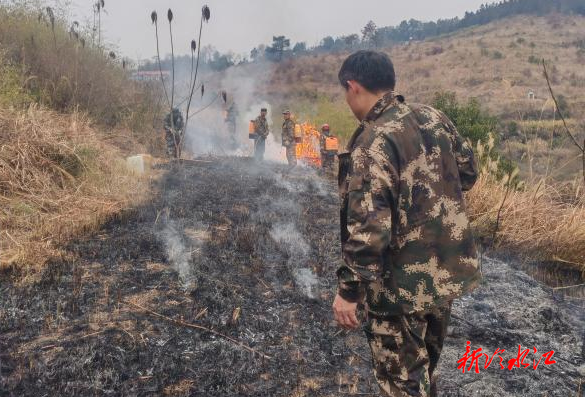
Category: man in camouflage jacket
<point>173,125</point>
<point>327,156</point>
<point>261,129</point>
<point>407,246</point>
<point>288,138</point>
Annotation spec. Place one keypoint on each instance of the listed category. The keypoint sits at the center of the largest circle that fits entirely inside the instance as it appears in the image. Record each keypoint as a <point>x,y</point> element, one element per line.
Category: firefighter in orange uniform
<point>328,145</point>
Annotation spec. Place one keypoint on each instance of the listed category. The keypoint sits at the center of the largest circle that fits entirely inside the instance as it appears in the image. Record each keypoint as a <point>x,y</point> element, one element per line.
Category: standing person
<point>230,120</point>
<point>327,155</point>
<point>288,138</point>
<point>261,129</point>
<point>407,246</point>
<point>173,125</point>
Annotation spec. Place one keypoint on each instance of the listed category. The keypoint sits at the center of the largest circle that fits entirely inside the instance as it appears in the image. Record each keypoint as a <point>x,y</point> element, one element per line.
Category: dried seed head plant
<point>172,106</point>
<point>205,12</point>
<point>154,22</point>
<point>205,17</point>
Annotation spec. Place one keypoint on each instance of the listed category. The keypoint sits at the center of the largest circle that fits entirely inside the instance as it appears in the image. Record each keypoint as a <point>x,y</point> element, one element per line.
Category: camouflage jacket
<point>322,143</point>
<point>288,133</point>
<point>177,120</point>
<point>406,242</point>
<point>261,126</point>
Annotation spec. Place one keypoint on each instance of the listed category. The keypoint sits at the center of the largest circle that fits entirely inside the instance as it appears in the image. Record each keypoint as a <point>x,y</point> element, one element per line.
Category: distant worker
<point>230,120</point>
<point>261,130</point>
<point>328,145</point>
<point>288,138</point>
<point>173,132</point>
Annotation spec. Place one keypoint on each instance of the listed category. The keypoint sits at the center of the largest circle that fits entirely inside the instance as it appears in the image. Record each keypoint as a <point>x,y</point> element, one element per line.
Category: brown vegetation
<point>59,177</point>
<point>539,221</point>
<point>60,68</point>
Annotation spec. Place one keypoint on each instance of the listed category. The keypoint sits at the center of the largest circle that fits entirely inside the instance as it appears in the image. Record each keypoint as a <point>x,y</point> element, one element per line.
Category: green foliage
<point>563,105</point>
<point>321,109</point>
<point>533,59</point>
<point>479,127</point>
<point>12,82</point>
<point>280,45</point>
<point>497,55</point>
<point>470,120</point>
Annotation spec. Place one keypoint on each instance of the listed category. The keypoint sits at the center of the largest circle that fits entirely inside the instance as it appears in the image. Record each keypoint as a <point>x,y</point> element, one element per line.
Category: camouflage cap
<point>286,111</point>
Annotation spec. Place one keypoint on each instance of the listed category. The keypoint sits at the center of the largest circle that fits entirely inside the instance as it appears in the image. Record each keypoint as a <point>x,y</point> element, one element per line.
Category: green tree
<point>369,34</point>
<point>471,121</point>
<point>280,45</point>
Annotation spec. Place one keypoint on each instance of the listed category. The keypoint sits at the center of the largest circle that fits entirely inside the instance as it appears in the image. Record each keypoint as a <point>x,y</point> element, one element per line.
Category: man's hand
<point>345,312</point>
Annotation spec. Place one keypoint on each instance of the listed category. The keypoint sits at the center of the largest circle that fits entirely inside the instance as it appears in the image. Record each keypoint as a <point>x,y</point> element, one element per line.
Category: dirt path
<point>250,253</point>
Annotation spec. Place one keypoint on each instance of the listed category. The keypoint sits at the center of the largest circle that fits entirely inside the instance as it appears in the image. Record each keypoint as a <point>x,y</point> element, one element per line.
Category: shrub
<point>12,82</point>
<point>497,55</point>
<point>470,120</point>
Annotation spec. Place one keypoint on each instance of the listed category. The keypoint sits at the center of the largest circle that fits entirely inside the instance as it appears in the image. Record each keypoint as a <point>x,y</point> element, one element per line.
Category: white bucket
<point>139,163</point>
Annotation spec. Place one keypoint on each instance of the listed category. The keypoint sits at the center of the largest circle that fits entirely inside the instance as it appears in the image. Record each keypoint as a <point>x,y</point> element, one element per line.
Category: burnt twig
<point>200,327</point>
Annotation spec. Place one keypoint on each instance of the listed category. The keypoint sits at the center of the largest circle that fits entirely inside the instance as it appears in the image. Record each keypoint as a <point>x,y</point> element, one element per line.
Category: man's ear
<point>354,86</point>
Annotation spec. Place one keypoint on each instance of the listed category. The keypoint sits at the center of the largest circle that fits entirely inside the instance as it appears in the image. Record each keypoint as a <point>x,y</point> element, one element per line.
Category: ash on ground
<point>249,251</point>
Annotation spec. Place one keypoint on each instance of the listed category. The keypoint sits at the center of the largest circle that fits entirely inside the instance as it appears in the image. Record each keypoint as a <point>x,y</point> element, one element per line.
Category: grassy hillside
<point>499,64</point>
<point>69,115</point>
<point>493,63</point>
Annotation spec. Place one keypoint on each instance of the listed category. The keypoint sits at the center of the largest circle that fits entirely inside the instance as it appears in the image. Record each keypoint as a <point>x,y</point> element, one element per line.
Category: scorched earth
<point>222,286</point>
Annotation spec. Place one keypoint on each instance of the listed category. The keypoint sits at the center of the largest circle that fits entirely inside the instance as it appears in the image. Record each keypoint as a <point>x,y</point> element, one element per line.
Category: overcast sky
<point>240,25</point>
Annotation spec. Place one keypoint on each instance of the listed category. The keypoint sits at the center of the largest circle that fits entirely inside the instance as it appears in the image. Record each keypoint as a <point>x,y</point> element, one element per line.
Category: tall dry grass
<point>62,70</point>
<point>541,221</point>
<point>58,177</point>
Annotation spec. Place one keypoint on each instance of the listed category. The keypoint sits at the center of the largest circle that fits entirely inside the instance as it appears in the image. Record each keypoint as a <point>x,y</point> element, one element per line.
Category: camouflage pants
<point>259,148</point>
<point>291,156</point>
<point>406,350</point>
<point>172,140</point>
<point>327,161</point>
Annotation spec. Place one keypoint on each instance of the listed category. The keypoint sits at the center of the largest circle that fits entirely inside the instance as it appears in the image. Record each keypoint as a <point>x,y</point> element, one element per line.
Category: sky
<point>240,25</point>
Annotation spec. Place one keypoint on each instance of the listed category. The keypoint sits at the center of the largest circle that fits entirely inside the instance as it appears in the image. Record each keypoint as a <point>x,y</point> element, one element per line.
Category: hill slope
<point>492,62</point>
<point>498,63</point>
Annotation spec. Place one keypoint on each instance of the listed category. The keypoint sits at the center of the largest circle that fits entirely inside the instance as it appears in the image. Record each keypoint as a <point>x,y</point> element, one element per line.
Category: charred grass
<point>206,251</point>
<point>199,293</point>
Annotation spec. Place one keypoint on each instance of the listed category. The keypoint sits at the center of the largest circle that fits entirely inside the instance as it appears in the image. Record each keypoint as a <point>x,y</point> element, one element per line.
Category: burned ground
<point>248,252</point>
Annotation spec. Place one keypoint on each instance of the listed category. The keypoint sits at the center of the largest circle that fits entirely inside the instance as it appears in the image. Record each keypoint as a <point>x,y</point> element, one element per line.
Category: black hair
<point>372,69</point>
<point>263,110</point>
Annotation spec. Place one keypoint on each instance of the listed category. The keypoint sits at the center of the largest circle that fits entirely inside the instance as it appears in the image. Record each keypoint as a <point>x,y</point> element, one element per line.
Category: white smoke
<point>179,245</point>
<point>208,133</point>
<point>287,236</point>
<point>177,253</point>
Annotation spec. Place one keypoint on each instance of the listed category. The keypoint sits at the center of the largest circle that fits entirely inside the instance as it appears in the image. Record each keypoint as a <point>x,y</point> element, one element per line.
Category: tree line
<point>372,36</point>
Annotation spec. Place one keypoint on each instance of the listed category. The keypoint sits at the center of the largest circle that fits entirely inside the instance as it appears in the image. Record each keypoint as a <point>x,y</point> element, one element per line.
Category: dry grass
<point>58,178</point>
<point>538,221</point>
<point>65,73</point>
<point>466,66</point>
